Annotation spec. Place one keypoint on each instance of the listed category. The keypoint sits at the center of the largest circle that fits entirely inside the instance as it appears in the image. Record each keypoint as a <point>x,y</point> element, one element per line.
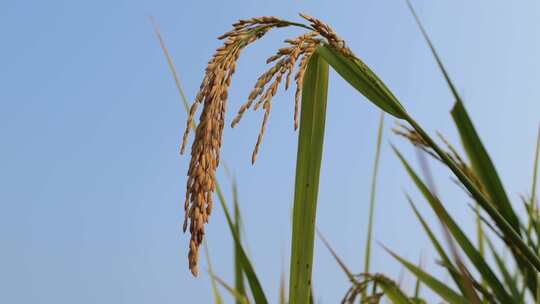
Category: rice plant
<point>312,54</point>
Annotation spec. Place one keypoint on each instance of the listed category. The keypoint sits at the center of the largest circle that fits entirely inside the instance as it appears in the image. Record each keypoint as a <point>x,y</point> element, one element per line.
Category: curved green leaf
<point>360,76</point>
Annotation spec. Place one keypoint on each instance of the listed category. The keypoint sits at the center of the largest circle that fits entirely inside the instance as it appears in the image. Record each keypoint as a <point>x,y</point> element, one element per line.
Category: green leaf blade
<point>308,164</point>
<point>360,76</point>
<point>482,164</point>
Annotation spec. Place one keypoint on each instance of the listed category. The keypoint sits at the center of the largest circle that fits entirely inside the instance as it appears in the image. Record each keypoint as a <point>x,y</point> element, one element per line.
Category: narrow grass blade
<point>480,243</point>
<point>367,255</point>
<point>254,283</point>
<point>433,51</point>
<point>170,64</point>
<point>390,288</point>
<point>217,296</point>
<point>360,76</point>
<point>341,264</point>
<point>532,216</point>
<point>460,237</point>
<point>418,282</point>
<point>535,171</point>
<point>240,298</point>
<point>531,205</point>
<point>508,279</point>
<point>480,239</point>
<point>437,286</point>
<point>445,259</point>
<point>308,165</point>
<point>238,271</point>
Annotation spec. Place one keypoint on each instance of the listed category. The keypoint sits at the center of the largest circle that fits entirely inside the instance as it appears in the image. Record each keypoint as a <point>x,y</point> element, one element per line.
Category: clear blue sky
<point>90,124</point>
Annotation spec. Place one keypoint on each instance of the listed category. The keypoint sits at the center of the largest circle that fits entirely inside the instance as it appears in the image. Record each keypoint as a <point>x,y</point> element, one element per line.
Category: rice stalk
<point>206,147</point>
<point>477,174</point>
<point>240,254</point>
<point>213,94</point>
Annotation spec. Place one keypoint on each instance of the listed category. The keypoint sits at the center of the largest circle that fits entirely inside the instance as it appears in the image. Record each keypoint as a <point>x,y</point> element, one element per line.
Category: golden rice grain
<point>213,94</point>
<point>206,147</point>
